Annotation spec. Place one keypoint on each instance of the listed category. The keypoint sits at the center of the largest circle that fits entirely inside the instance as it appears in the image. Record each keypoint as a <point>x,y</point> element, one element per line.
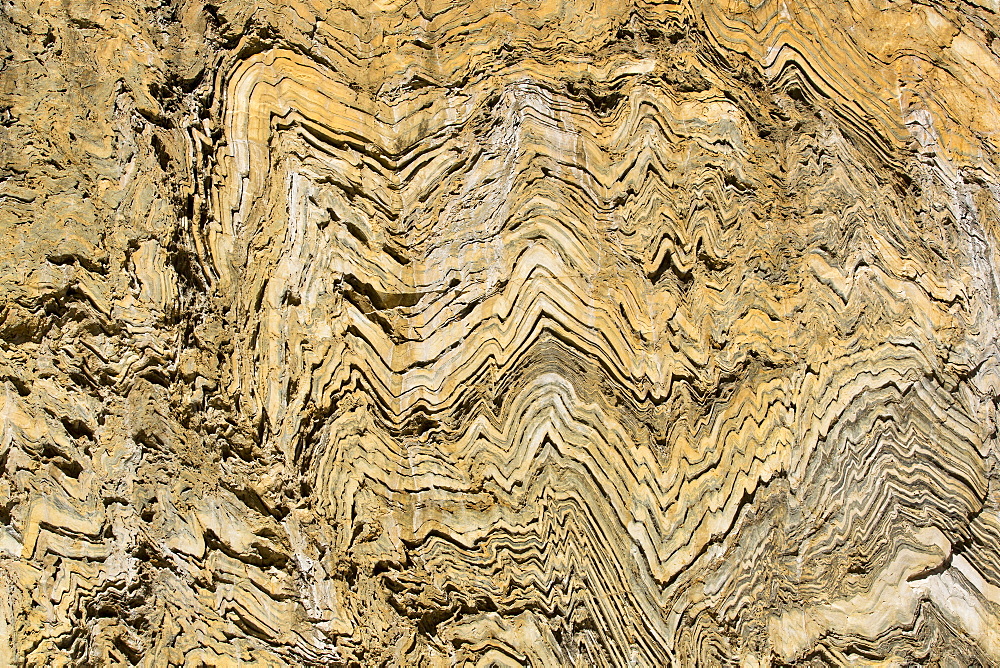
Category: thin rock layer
<point>460,333</point>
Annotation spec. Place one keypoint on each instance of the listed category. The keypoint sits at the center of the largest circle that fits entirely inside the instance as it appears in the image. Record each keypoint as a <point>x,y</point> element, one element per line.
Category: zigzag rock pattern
<point>535,333</point>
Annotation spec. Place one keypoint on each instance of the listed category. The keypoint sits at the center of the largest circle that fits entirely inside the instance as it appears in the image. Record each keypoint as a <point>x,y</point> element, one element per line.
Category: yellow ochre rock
<point>523,333</point>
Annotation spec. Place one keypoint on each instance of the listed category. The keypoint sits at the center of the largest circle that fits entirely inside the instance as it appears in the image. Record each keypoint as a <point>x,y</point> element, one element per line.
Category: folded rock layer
<point>539,333</point>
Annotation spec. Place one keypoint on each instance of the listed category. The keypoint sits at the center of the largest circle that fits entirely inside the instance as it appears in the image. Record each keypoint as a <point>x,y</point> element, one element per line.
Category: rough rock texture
<point>537,333</point>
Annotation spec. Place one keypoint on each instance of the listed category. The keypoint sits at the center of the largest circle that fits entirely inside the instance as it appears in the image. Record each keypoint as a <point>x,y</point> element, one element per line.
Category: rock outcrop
<point>450,332</point>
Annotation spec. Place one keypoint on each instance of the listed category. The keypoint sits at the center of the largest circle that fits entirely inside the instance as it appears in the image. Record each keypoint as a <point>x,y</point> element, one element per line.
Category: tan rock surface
<point>473,333</point>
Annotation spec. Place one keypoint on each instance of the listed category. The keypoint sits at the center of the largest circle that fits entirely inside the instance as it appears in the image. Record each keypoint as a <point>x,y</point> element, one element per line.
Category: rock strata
<point>536,333</point>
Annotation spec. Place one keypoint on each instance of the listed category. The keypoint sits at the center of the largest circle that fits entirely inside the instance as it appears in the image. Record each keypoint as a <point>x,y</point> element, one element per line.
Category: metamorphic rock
<point>499,333</point>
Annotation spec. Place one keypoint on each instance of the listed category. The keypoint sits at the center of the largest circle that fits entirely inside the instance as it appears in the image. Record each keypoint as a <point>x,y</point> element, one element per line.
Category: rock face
<point>540,333</point>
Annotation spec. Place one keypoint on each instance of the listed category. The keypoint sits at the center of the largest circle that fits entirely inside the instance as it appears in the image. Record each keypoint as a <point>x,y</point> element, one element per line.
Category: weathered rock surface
<point>474,333</point>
